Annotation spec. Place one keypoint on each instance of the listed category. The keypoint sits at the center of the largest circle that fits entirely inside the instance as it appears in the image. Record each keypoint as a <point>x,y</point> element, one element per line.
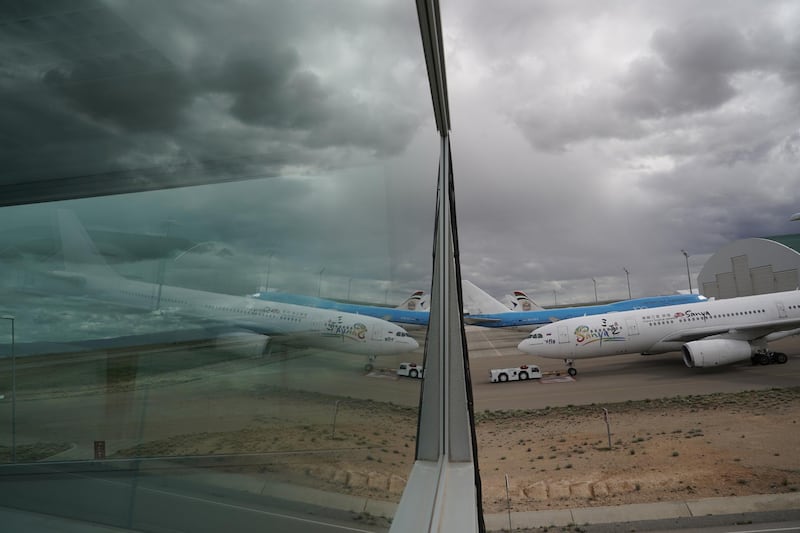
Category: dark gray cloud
<point>587,137</point>
<point>691,70</point>
<point>136,103</point>
<point>269,89</point>
<point>188,90</point>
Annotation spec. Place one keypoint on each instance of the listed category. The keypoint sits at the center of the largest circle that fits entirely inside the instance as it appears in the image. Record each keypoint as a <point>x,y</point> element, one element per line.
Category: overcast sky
<point>588,137</point>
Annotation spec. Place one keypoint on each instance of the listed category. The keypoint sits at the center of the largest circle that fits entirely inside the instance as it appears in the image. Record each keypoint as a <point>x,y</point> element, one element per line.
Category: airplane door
<point>563,334</point>
<point>781,309</point>
<point>633,328</point>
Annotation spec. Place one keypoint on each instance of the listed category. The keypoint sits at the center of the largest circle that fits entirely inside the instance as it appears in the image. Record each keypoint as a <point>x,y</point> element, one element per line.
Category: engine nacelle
<point>715,352</point>
<point>243,344</point>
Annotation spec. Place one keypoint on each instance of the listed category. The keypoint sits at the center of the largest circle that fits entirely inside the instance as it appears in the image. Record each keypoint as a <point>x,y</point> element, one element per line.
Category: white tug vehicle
<point>411,370</point>
<point>517,373</point>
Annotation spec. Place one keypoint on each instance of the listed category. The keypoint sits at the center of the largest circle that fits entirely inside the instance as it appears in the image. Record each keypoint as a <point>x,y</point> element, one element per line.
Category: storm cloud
<point>588,138</point>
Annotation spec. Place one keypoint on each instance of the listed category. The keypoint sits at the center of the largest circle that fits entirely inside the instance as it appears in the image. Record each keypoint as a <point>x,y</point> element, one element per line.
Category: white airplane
<point>710,333</point>
<point>411,311</point>
<point>286,324</point>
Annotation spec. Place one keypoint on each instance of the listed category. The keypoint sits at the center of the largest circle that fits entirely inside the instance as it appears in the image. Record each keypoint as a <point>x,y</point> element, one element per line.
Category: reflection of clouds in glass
<point>356,225</point>
<point>197,93</point>
<point>43,318</point>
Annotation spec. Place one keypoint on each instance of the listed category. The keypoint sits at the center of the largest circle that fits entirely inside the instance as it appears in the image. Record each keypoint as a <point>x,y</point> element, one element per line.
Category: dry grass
<point>670,449</point>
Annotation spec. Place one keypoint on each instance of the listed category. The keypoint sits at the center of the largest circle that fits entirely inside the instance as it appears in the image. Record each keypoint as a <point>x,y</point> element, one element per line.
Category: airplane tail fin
<point>415,302</point>
<point>80,254</point>
<point>523,303</point>
<point>478,302</point>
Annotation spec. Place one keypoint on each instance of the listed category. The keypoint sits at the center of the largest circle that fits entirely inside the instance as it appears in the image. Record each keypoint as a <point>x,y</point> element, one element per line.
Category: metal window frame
<point>443,492</point>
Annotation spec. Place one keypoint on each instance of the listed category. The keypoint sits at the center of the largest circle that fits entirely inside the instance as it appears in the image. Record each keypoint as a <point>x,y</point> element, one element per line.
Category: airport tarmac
<point>175,394</point>
<point>608,379</point>
<point>175,372</point>
<point>612,379</point>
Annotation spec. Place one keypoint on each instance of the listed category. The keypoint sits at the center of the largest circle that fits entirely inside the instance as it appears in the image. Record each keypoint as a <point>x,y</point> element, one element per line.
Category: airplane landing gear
<point>768,358</point>
<point>368,367</point>
<point>571,370</point>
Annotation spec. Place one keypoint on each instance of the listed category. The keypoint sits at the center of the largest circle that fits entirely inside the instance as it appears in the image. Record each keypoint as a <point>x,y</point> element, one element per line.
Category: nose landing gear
<point>571,370</point>
<point>368,367</point>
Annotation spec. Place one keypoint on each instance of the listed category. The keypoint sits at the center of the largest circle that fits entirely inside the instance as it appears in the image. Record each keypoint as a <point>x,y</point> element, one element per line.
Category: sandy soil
<point>661,450</point>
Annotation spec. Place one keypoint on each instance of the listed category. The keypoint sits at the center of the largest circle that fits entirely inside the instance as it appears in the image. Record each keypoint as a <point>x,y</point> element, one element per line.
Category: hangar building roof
<point>756,265</point>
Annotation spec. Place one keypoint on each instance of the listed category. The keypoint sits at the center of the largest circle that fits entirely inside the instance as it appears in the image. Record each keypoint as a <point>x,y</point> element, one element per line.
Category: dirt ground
<point>661,450</point>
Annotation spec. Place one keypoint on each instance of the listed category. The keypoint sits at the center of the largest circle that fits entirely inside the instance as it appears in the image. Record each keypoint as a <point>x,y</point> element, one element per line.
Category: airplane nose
<point>414,342</point>
<point>523,346</point>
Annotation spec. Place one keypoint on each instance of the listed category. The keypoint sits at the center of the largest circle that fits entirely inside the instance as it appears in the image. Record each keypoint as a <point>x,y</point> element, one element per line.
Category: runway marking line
<point>561,379</point>
<point>491,344</point>
<point>382,374</point>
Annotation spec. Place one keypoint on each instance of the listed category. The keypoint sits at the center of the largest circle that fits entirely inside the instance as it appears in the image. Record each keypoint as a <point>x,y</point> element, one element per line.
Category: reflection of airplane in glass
<point>500,316</point>
<point>479,307</point>
<point>287,324</point>
<point>409,312</point>
<point>709,333</point>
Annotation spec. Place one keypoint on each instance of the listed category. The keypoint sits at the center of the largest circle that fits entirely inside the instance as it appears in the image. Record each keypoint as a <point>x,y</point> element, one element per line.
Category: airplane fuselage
<point>392,314</point>
<point>292,324</point>
<point>547,316</point>
<point>751,319</point>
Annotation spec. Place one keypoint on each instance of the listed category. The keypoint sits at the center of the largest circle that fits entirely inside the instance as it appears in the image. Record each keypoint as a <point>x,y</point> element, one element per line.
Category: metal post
<point>508,504</point>
<point>349,284</point>
<point>162,263</point>
<point>688,274</point>
<point>608,426</point>
<point>13,397</point>
<point>319,286</point>
<point>595,289</point>
<point>628,276</point>
<point>13,392</point>
<point>335,412</point>
<point>269,267</point>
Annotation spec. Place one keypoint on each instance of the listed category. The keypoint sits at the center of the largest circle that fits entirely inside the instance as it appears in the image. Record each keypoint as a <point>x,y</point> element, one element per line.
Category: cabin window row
<point>662,322</point>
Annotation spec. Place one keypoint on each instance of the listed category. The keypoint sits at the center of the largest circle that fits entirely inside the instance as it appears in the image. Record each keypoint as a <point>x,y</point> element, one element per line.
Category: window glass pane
<point>575,124</point>
<point>306,134</point>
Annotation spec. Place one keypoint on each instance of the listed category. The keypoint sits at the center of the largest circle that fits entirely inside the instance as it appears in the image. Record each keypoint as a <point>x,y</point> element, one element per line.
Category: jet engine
<point>715,352</point>
<point>243,344</point>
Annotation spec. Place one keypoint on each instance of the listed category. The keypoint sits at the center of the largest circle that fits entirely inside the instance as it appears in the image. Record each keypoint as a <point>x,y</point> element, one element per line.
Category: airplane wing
<point>746,332</point>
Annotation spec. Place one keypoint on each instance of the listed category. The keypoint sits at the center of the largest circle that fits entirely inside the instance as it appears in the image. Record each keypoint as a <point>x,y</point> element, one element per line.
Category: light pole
<point>269,267</point>
<point>349,284</point>
<point>319,285</point>
<point>595,289</point>
<point>628,276</point>
<point>555,302</point>
<point>13,392</point>
<point>688,274</point>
